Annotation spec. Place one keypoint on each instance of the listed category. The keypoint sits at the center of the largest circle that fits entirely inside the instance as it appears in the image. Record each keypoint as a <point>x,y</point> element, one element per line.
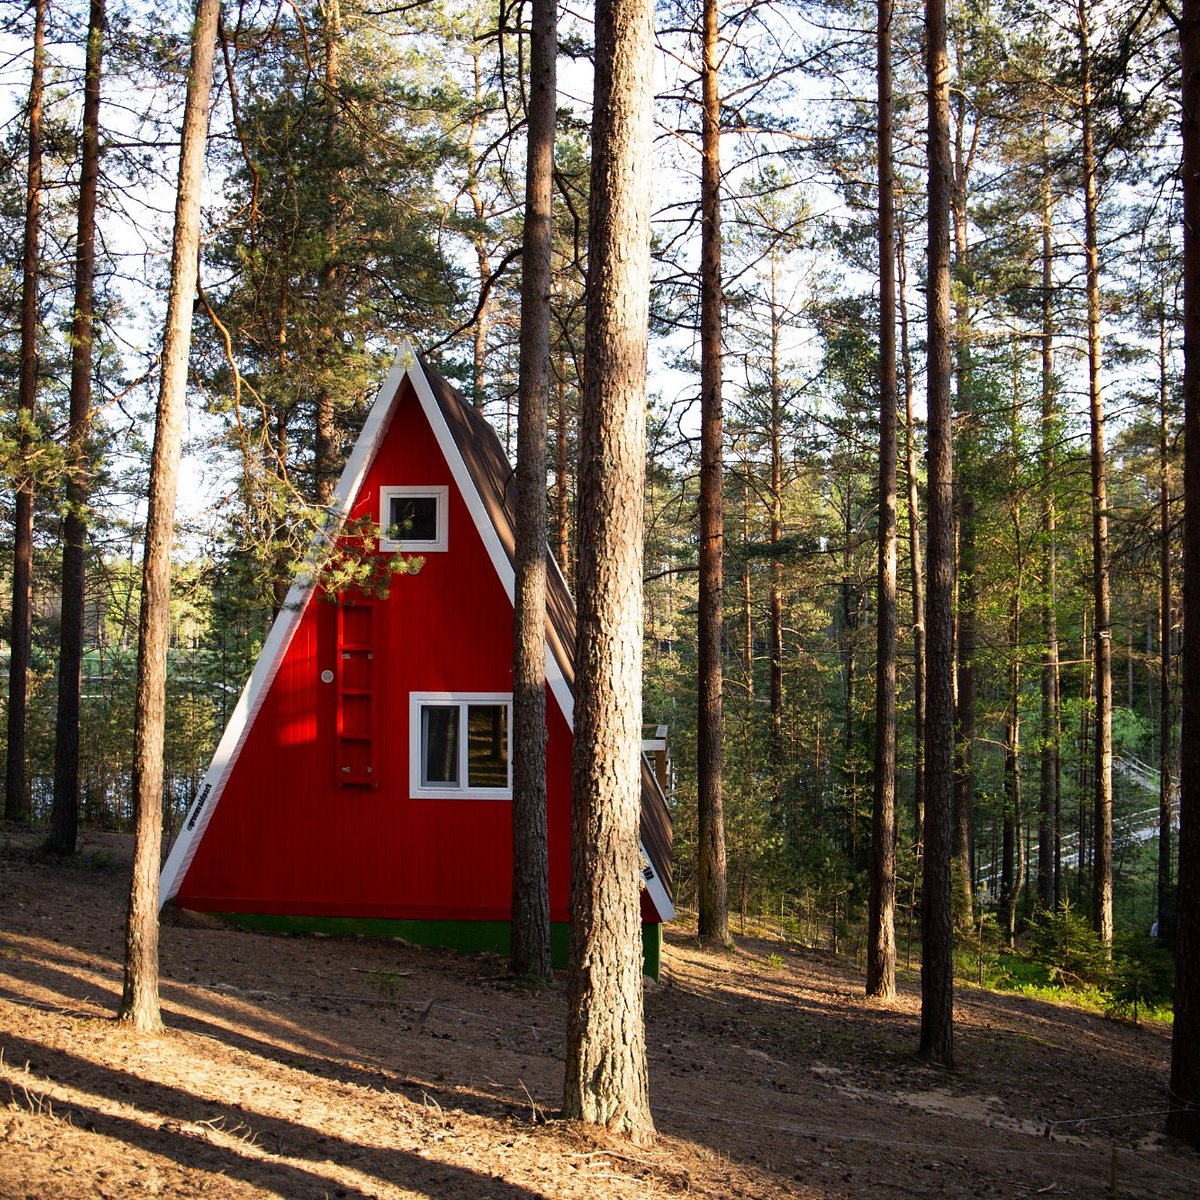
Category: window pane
<point>413,519</point>
<point>487,745</point>
<point>439,744</point>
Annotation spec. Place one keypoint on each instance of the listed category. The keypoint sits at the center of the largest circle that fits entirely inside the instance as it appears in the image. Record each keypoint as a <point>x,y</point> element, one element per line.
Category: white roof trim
<point>278,639</point>
<point>655,886</point>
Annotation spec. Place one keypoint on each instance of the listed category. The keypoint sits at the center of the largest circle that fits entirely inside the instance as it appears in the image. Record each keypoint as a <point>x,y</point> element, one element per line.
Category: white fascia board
<point>282,631</point>
<point>654,885</point>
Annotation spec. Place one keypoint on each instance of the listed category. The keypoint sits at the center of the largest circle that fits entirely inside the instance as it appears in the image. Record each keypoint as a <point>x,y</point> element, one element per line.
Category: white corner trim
<point>654,885</point>
<point>282,631</point>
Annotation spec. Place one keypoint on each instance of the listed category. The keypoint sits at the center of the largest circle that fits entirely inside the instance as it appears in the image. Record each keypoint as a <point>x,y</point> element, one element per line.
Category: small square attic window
<point>413,519</point>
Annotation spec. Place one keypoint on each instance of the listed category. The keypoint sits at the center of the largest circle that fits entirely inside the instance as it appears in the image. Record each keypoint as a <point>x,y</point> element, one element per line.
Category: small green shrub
<point>1066,945</point>
<point>775,962</point>
<point>1142,977</point>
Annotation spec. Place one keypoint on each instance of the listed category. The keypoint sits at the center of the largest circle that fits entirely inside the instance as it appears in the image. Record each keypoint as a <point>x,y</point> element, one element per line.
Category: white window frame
<point>391,545</point>
<point>440,791</point>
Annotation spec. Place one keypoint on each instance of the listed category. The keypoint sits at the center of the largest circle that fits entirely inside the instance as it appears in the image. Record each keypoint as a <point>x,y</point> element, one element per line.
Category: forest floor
<point>320,1067</point>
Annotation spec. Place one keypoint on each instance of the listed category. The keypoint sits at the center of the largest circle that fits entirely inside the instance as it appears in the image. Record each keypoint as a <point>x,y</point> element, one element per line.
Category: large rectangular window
<point>413,519</point>
<point>460,746</point>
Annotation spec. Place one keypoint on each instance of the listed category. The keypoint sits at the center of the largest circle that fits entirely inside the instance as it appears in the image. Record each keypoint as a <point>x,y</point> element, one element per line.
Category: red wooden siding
<point>293,832</point>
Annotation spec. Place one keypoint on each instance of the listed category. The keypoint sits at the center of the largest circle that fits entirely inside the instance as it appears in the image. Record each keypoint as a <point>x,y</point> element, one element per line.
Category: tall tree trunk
<point>776,583</point>
<point>1102,873</point>
<point>1085,708</point>
<point>479,237</point>
<point>139,1000</point>
<point>747,595</point>
<point>964,715</point>
<point>562,491</point>
<point>1049,814</point>
<point>606,1073</point>
<point>16,804</point>
<point>65,817</point>
<point>915,566</point>
<point>325,467</point>
<point>881,932</point>
<point>1184,1095</point>
<point>1012,724</point>
<point>531,860</point>
<point>713,897</point>
<point>937,921</point>
<point>1165,711</point>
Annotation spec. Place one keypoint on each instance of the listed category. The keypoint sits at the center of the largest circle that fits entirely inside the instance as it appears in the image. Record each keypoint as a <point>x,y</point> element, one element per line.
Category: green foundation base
<point>467,937</point>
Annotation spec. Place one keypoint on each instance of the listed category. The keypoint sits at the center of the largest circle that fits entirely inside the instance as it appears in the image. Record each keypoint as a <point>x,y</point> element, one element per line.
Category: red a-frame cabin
<point>363,782</point>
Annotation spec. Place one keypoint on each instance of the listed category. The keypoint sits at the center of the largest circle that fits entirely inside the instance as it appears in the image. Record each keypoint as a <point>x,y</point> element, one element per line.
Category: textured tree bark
<point>139,1000</point>
<point>1184,1096</point>
<point>1102,872</point>
<point>325,469</point>
<point>776,584</point>
<point>937,924</point>
<point>713,892</point>
<point>881,932</point>
<point>1049,816</point>
<point>16,803</point>
<point>1012,722</point>
<point>964,714</point>
<point>606,1074</point>
<point>915,566</point>
<point>1165,602</point>
<point>562,487</point>
<point>531,858</point>
<point>65,815</point>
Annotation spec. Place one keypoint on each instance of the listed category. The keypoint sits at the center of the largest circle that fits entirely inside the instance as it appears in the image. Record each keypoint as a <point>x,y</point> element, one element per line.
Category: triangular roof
<point>485,480</point>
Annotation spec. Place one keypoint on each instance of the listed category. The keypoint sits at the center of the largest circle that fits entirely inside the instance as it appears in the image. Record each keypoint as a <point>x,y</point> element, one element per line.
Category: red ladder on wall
<point>355,763</point>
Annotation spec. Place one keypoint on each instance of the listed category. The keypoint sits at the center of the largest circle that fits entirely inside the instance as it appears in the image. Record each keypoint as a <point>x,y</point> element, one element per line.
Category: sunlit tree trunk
<point>325,467</point>
<point>881,934</point>
<point>964,714</point>
<point>1049,811</point>
<point>1012,723</point>
<point>16,806</point>
<point>937,922</point>
<point>713,891</point>
<point>1102,871</point>
<point>1165,601</point>
<point>606,1072</point>
<point>65,817</point>
<point>775,632</point>
<point>531,860</point>
<point>916,568</point>
<point>562,487</point>
<point>139,1000</point>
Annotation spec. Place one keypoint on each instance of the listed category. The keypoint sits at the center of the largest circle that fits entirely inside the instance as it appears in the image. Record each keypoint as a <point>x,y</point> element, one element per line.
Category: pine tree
<point>531,898</point>
<point>16,806</point>
<point>937,936</point>
<point>606,1075</point>
<point>881,938</point>
<point>1184,1096</point>
<point>139,1000</point>
<point>65,817</point>
<point>713,889</point>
